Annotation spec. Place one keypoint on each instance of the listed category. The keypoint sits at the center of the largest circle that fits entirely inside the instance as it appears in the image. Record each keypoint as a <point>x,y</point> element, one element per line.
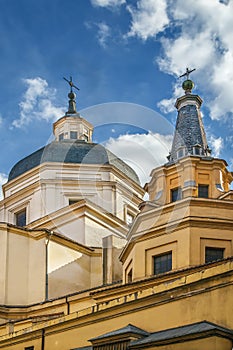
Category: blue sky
<point>125,56</point>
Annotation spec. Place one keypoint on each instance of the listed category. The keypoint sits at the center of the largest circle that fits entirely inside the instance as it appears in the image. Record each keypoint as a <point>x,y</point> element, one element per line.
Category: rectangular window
<point>20,218</point>
<point>129,218</point>
<point>176,194</point>
<point>29,348</point>
<point>180,153</point>
<point>73,135</point>
<point>197,150</point>
<point>203,191</point>
<point>130,276</point>
<point>162,263</point>
<point>213,254</point>
<point>61,137</point>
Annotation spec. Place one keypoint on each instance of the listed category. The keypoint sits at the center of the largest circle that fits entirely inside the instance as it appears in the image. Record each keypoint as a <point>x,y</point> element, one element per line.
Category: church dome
<point>74,152</point>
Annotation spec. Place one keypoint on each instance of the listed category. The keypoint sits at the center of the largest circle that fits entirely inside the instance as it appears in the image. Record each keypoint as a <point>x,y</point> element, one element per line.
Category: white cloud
<point>104,33</point>
<point>1,120</point>
<point>222,82</point>
<point>216,144</point>
<point>37,103</point>
<point>168,105</point>
<point>107,3</point>
<point>204,41</point>
<point>143,152</point>
<point>179,53</point>
<point>3,179</point>
<point>200,36</point>
<point>148,19</point>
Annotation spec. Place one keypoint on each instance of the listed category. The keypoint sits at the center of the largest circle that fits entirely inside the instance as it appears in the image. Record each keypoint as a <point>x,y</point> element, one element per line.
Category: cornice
<point>179,222</point>
<point>35,172</point>
<point>43,233</point>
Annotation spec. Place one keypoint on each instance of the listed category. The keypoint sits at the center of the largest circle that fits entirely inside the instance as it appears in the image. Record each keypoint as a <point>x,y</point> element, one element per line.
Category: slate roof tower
<point>170,232</point>
<point>189,137</point>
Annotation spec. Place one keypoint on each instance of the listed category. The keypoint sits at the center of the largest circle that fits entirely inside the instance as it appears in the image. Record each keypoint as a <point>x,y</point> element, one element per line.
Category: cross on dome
<point>188,71</point>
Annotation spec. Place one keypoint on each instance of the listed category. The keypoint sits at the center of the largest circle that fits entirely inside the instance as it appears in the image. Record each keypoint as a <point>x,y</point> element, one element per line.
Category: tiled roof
<point>196,330</point>
<point>125,330</point>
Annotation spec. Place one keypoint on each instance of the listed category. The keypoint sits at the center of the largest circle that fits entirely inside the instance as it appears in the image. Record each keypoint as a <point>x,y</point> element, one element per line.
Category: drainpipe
<point>42,339</point>
<point>47,240</point>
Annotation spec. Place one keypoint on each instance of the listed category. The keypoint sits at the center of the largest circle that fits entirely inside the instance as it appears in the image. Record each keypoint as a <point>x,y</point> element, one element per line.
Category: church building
<point>87,264</point>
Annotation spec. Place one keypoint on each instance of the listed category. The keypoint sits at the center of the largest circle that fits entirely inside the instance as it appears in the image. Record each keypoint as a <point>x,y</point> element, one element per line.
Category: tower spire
<point>189,137</point>
<point>72,97</point>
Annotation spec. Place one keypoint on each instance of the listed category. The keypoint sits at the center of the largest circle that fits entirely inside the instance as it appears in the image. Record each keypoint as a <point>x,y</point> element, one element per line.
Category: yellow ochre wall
<point>204,300</point>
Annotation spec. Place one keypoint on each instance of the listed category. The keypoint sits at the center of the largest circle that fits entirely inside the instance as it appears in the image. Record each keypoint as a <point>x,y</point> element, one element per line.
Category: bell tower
<point>191,171</point>
<point>188,219</point>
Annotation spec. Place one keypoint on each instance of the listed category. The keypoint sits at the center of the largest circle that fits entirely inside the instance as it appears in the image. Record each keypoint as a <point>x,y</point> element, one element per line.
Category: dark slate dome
<point>76,152</point>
